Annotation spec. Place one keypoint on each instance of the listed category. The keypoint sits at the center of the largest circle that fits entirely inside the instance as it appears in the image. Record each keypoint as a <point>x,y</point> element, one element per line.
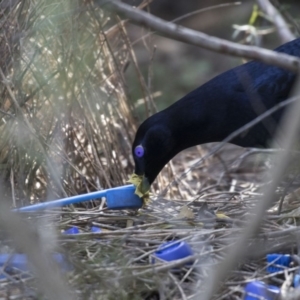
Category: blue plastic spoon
<point>122,197</point>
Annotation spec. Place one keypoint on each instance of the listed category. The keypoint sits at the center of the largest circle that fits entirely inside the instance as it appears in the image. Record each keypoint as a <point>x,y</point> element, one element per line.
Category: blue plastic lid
<point>173,250</point>
<point>256,289</point>
<point>278,262</point>
<point>72,230</point>
<point>123,198</point>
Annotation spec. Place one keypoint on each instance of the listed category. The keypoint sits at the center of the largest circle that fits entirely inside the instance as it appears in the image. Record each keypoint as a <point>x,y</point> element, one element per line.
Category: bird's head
<point>152,148</point>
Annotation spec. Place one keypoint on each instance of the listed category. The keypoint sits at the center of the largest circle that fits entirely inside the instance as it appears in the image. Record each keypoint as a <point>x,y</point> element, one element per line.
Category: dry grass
<point>67,125</point>
<point>117,262</point>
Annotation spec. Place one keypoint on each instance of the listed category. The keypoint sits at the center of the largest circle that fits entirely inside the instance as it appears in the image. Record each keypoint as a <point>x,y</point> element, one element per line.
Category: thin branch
<point>274,16</point>
<point>238,251</point>
<point>286,15</point>
<point>200,39</point>
<point>228,139</point>
<point>202,10</point>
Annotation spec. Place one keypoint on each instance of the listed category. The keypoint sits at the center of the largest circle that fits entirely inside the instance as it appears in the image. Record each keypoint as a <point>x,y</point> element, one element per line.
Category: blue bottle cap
<point>173,250</point>
<point>72,230</point>
<point>258,289</point>
<point>278,262</point>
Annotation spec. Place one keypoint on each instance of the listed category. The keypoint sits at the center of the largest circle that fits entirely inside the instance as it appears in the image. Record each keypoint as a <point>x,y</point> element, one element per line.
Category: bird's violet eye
<point>139,151</point>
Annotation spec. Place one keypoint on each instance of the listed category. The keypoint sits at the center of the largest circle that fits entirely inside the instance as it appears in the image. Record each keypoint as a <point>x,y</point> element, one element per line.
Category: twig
<point>193,13</point>
<point>202,10</point>
<point>286,15</point>
<point>274,16</point>
<point>6,113</point>
<point>12,183</point>
<point>237,251</point>
<point>231,137</point>
<point>177,284</point>
<point>196,38</point>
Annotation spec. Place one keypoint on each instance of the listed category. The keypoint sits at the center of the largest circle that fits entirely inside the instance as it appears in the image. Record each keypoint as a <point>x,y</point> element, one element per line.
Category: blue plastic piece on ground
<point>14,263</point>
<point>72,230</point>
<point>173,250</point>
<point>296,280</point>
<point>95,229</point>
<point>122,197</point>
<point>75,230</point>
<point>273,291</point>
<point>278,262</point>
<point>258,289</point>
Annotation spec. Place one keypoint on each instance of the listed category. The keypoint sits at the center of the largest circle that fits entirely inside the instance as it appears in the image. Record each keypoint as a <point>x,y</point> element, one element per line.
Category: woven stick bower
<point>66,126</point>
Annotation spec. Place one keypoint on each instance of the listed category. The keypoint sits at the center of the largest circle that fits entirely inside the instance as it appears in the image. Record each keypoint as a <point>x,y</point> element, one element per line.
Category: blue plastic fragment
<point>259,290</point>
<point>95,229</point>
<point>18,263</point>
<point>75,230</point>
<point>72,230</point>
<point>296,280</point>
<point>173,250</point>
<point>278,262</point>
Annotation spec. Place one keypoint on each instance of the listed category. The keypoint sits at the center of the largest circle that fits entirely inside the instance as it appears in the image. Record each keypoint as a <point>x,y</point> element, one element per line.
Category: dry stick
<point>6,113</point>
<point>115,28</point>
<point>237,251</point>
<point>274,16</point>
<point>50,281</point>
<point>286,14</point>
<point>263,278</point>
<point>193,13</point>
<point>144,88</point>
<point>199,11</point>
<point>178,285</point>
<point>200,39</point>
<point>202,10</point>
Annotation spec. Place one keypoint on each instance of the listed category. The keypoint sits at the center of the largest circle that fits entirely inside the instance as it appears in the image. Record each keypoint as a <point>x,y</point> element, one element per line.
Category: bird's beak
<point>145,185</point>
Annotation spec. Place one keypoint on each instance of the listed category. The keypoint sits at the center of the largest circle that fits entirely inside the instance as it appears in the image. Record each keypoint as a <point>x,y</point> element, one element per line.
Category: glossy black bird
<point>213,111</point>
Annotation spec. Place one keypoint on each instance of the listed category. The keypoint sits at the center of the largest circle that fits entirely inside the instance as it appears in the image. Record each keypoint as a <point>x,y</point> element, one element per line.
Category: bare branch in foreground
<point>282,27</point>
<point>197,38</point>
<point>237,250</point>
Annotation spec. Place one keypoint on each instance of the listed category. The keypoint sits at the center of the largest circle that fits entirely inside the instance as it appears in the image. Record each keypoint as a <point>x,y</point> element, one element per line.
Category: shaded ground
<point>116,263</point>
